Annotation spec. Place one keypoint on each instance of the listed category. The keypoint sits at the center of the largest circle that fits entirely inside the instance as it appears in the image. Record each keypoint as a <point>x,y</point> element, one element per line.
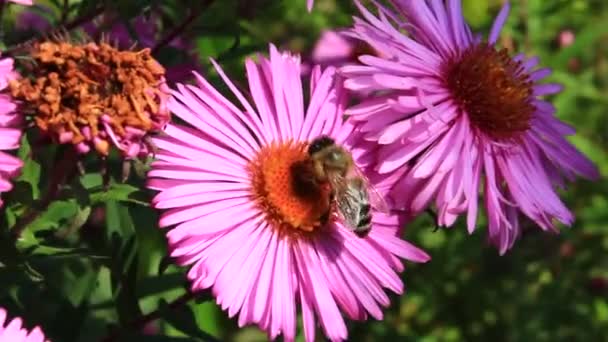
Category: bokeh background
<point>548,288</point>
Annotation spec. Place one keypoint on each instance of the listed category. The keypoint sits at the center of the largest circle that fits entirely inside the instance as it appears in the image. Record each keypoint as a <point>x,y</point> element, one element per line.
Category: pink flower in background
<point>333,47</point>
<point>228,185</point>
<point>566,38</point>
<point>10,126</point>
<point>450,109</point>
<point>34,20</point>
<point>23,2</point>
<point>309,4</point>
<point>13,330</point>
<point>337,48</point>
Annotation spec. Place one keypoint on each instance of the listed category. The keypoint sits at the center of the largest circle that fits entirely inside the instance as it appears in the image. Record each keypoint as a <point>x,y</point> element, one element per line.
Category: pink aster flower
<point>10,128</point>
<point>333,48</point>
<point>451,108</point>
<point>244,222</point>
<point>13,330</point>
<point>309,4</point>
<point>338,48</point>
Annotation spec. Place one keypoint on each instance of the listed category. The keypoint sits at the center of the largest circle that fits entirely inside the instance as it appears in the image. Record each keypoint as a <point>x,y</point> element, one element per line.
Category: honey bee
<point>351,191</point>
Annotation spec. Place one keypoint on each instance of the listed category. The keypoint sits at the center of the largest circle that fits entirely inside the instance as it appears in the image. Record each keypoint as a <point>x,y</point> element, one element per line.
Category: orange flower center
<point>492,89</point>
<point>283,186</point>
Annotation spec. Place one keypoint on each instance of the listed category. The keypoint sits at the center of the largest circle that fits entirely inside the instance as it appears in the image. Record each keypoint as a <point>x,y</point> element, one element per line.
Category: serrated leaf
<point>54,216</point>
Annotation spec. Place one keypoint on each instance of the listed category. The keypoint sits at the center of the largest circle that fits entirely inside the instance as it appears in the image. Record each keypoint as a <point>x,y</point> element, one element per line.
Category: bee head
<point>320,143</point>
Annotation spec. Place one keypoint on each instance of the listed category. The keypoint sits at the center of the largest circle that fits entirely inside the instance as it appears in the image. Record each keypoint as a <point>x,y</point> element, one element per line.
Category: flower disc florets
<point>93,95</point>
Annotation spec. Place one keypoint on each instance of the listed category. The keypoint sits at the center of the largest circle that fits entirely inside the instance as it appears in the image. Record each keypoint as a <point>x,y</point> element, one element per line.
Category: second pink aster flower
<point>451,109</point>
<point>10,128</point>
<point>248,232</point>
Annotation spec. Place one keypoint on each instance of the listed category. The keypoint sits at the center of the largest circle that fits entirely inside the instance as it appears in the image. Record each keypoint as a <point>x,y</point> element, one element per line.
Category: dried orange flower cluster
<point>93,95</point>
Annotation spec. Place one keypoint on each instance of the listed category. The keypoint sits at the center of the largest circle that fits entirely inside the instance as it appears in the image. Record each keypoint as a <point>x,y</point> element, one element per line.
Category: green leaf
<point>156,338</point>
<point>151,242</point>
<point>208,316</point>
<point>183,319</point>
<point>118,220</point>
<point>57,214</point>
<point>80,192</point>
<point>120,193</point>
<point>156,285</point>
<point>91,180</point>
<point>77,283</point>
<point>124,277</point>
<point>79,220</point>
<point>30,172</point>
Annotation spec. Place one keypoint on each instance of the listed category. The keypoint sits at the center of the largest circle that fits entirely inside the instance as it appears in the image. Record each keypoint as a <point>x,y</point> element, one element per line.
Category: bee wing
<point>375,198</point>
<point>346,201</point>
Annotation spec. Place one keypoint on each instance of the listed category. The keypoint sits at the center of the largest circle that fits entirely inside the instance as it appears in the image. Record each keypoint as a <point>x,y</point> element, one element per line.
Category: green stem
<point>167,39</point>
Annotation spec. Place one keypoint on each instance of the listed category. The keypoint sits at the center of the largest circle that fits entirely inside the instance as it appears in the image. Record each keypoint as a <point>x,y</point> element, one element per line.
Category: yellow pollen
<point>283,186</point>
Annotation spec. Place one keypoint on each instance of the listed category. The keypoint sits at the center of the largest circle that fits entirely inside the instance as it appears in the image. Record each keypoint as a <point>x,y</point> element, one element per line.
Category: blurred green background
<point>548,288</point>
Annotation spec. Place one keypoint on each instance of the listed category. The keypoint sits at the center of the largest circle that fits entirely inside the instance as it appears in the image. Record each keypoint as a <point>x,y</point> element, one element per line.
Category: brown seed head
<point>93,95</point>
<point>492,89</point>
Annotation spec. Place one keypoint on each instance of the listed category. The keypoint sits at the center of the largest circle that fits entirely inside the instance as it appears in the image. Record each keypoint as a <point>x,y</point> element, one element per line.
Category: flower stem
<point>168,38</point>
<point>64,12</point>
